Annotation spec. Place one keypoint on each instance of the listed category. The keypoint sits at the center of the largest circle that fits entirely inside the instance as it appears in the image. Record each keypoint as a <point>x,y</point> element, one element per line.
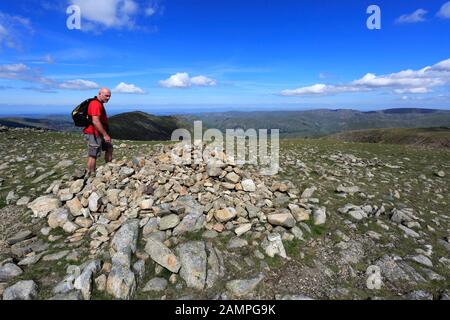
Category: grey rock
<point>77,186</point>
<point>155,284</point>
<point>162,255</point>
<point>352,189</point>
<point>9,271</point>
<point>28,261</point>
<point>273,245</point>
<point>126,172</point>
<point>421,259</point>
<point>282,219</point>
<point>58,218</point>
<point>292,297</point>
<point>308,193</point>
<point>319,216</point>
<point>243,228</point>
<point>419,295</point>
<point>248,185</point>
<point>409,232</point>
<point>243,288</point>
<point>194,219</point>
<point>20,236</point>
<point>56,256</point>
<point>193,261</point>
<point>168,222</point>
<point>121,281</point>
<point>216,268</point>
<point>72,296</point>
<point>22,290</point>
<point>94,201</point>
<point>42,206</point>
<point>235,243</point>
<point>84,281</point>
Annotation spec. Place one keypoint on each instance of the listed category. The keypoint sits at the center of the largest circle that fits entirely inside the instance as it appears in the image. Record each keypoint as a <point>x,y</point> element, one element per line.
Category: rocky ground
<point>339,221</point>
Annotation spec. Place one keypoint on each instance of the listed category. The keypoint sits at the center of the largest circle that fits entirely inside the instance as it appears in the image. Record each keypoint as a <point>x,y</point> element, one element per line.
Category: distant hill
<point>292,124</point>
<point>317,123</point>
<point>143,126</point>
<point>425,137</point>
<point>56,123</point>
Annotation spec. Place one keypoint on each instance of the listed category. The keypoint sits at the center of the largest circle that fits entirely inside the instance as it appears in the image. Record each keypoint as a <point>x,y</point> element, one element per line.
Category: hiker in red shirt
<point>96,133</point>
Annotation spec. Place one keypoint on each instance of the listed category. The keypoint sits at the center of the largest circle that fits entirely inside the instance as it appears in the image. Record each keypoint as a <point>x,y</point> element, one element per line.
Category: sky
<point>184,55</point>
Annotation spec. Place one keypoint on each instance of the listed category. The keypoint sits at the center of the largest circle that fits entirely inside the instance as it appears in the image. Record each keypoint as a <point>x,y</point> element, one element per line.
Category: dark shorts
<point>96,145</point>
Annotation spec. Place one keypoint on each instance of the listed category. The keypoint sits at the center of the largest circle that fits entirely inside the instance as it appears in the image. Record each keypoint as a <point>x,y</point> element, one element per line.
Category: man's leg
<point>94,149</point>
<point>91,164</point>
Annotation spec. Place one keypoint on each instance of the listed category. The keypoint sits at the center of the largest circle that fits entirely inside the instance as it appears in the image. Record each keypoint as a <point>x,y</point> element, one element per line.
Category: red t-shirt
<point>96,109</point>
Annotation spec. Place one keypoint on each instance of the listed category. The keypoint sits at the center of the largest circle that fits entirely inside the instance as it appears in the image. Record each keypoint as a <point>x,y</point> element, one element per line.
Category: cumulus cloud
<point>107,13</point>
<point>183,80</point>
<point>128,88</point>
<point>445,11</point>
<point>416,16</point>
<point>407,81</point>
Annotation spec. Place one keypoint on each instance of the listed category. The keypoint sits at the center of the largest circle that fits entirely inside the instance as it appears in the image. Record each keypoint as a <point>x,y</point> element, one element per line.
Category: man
<point>96,133</point>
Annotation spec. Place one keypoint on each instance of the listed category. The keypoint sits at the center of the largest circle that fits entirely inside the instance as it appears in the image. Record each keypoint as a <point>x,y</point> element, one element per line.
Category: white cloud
<point>13,29</point>
<point>78,84</point>
<point>203,81</point>
<point>412,90</point>
<point>182,80</point>
<point>416,16</point>
<point>407,81</point>
<point>128,88</point>
<point>22,72</point>
<point>318,89</point>
<point>107,13</point>
<point>445,11</point>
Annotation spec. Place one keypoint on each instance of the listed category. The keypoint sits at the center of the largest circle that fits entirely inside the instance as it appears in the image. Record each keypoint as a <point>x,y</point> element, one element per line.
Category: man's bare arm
<point>97,123</point>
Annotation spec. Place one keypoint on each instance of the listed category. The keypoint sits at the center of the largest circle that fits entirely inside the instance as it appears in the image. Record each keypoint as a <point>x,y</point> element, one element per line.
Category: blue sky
<point>181,55</point>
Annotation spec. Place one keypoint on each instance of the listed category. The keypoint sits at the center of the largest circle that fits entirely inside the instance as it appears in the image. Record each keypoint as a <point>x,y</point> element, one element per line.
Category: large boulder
<point>22,290</point>
<point>193,262</point>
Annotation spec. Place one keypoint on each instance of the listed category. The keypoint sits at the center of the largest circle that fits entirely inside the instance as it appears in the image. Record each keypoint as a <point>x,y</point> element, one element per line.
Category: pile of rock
<point>162,199</point>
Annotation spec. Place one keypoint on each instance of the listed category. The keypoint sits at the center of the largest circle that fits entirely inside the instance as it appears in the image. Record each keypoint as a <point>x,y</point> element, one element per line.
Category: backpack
<point>80,113</point>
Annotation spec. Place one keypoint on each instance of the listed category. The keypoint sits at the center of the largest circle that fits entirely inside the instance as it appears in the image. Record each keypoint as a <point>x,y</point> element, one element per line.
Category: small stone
<point>421,259</point>
<point>169,222</point>
<point>232,177</point>
<point>75,207</point>
<point>319,216</point>
<point>155,284</point>
<point>100,283</point>
<point>440,174</point>
<point>83,222</point>
<point>308,193</point>
<point>243,228</point>
<point>58,218</point>
<point>56,256</point>
<point>70,227</point>
<point>248,185</point>
<point>282,219</point>
<point>224,215</point>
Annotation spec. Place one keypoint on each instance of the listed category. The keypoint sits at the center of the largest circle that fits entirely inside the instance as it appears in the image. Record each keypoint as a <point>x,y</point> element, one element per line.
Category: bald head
<point>104,94</point>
